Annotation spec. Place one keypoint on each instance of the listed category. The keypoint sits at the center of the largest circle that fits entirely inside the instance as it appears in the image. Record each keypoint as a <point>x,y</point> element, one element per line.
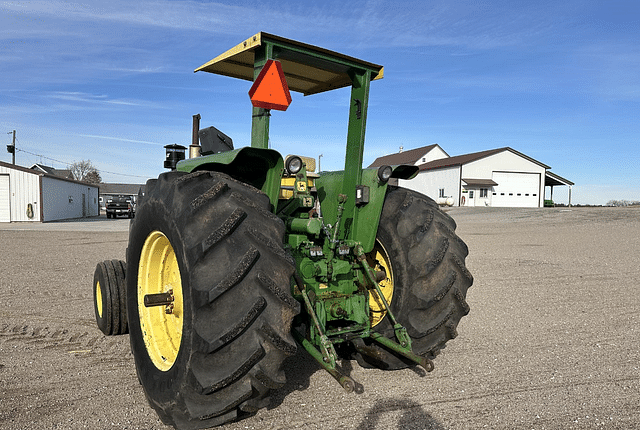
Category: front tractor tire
<point>426,278</point>
<point>207,248</point>
<point>109,302</point>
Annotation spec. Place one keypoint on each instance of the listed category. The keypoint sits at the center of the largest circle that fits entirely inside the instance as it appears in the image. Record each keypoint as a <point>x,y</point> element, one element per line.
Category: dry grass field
<point>552,340</point>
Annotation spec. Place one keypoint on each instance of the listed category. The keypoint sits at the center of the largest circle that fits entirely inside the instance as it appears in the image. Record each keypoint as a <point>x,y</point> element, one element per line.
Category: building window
<point>470,194</point>
<point>484,192</point>
<point>441,192</point>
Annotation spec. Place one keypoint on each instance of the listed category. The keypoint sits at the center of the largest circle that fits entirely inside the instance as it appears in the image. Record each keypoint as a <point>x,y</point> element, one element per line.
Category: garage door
<point>5,210</point>
<point>516,190</point>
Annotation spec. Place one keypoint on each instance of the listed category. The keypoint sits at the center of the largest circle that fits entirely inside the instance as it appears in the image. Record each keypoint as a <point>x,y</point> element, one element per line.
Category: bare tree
<point>86,172</point>
<point>622,203</point>
<point>93,177</point>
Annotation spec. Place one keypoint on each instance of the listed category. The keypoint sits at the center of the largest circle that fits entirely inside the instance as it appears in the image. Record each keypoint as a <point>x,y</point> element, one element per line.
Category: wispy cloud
<point>80,98</point>
<point>140,70</point>
<point>75,41</point>
<point>119,139</point>
<point>376,24</point>
<point>210,17</point>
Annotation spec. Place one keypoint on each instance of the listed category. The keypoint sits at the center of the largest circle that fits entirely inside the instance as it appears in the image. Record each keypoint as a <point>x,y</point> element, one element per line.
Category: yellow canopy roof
<point>308,69</point>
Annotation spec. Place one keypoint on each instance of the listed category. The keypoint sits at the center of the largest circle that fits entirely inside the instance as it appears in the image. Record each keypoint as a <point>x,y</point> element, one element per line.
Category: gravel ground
<point>552,340</point>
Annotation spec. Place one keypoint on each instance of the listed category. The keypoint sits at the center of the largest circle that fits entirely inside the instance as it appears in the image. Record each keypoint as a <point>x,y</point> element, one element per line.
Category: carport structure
<point>552,180</point>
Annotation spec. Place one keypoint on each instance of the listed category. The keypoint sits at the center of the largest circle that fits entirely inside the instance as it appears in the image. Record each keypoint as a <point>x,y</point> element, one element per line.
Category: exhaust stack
<point>194,148</point>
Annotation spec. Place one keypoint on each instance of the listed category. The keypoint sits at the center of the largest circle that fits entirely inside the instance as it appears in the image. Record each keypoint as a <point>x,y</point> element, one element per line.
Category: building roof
<point>480,182</point>
<point>22,169</point>
<point>459,160</point>
<point>130,189</point>
<point>405,157</point>
<point>551,179</point>
<point>48,175</point>
<point>63,173</point>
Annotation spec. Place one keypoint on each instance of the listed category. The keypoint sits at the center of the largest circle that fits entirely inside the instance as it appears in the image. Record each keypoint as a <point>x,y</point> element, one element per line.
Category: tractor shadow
<point>389,413</point>
<point>410,415</point>
<point>298,369</point>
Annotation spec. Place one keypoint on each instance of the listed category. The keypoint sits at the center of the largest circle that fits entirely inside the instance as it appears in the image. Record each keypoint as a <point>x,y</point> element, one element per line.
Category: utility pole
<point>12,148</point>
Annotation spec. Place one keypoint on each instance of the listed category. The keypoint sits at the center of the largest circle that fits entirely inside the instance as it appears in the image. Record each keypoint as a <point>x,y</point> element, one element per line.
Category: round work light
<point>294,164</point>
<point>384,173</point>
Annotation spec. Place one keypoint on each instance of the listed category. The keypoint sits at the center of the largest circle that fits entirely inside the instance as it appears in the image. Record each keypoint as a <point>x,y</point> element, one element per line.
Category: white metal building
<point>500,177</point>
<point>30,195</point>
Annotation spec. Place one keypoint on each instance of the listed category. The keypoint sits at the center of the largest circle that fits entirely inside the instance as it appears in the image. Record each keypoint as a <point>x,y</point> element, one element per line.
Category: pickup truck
<point>120,205</point>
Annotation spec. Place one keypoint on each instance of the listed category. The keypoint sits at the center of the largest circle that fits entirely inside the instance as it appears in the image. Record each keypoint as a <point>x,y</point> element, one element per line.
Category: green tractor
<point>237,257</point>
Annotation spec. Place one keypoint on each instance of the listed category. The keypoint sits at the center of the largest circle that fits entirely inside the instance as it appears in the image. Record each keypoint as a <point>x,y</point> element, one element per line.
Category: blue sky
<point>112,81</point>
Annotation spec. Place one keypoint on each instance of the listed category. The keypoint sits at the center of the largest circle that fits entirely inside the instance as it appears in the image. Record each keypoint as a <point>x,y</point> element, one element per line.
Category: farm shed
<point>34,196</point>
<point>500,177</point>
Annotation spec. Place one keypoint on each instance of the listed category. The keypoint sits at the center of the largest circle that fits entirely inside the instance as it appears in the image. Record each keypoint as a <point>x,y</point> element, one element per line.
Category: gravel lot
<point>552,340</point>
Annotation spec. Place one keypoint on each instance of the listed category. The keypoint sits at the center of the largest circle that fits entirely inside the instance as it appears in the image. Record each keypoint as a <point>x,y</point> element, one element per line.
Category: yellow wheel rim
<point>379,260</point>
<point>158,272</point>
<point>99,298</point>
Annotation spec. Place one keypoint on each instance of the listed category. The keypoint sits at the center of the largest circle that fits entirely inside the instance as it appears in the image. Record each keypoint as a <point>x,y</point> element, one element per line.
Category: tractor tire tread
<point>235,276</point>
<point>430,277</point>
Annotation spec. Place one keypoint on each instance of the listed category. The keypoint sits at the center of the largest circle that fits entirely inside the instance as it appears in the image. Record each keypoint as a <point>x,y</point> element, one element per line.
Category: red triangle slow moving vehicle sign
<point>270,89</point>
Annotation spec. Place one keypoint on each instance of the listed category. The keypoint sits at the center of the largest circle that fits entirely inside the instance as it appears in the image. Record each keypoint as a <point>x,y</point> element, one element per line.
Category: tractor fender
<point>261,168</point>
<point>329,186</point>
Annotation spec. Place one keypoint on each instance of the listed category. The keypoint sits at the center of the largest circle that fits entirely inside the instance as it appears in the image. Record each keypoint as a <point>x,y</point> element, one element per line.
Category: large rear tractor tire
<point>426,282</point>
<point>209,247</point>
<point>109,297</point>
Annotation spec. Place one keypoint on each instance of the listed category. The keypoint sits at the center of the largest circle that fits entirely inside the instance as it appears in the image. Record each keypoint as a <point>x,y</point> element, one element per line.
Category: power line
<point>42,156</point>
<point>70,164</point>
